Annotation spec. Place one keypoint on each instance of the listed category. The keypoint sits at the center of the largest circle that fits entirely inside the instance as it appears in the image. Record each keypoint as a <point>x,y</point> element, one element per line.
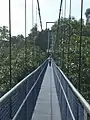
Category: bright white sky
<point>49,12</point>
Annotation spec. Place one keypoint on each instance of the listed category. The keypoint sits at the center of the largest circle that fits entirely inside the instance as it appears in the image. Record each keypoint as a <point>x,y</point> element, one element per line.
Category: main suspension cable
<point>64,33</point>
<point>10,43</point>
<point>59,19</point>
<point>39,14</point>
<point>68,57</point>
<point>10,87</point>
<point>33,38</point>
<point>80,47</point>
<point>25,40</point>
<point>61,31</point>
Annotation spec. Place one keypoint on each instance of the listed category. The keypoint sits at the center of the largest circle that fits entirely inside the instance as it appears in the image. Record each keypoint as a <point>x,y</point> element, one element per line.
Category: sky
<point>49,13</point>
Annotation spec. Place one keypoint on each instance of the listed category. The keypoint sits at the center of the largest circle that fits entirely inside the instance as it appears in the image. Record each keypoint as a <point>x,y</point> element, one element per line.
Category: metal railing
<point>19,102</point>
<point>72,105</point>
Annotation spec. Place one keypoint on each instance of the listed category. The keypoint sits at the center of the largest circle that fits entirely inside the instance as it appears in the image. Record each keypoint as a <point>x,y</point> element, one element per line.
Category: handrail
<point>27,96</point>
<point>79,96</point>
<point>65,97</point>
<point>9,93</point>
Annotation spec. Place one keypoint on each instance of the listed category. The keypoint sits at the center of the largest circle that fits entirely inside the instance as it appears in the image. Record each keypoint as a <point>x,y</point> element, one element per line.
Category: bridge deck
<point>47,107</point>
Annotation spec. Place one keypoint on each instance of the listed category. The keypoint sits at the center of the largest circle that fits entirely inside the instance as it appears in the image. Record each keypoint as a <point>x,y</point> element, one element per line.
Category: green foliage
<point>34,56</point>
<point>87,12</point>
<point>67,52</point>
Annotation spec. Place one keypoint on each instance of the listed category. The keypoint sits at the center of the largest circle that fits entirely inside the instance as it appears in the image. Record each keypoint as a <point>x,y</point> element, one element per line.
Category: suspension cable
<point>59,19</point>
<point>69,35</point>
<point>39,14</point>
<point>36,33</point>
<point>64,33</point>
<point>10,43</point>
<point>58,27</point>
<point>61,31</point>
<point>80,47</point>
<point>25,39</point>
<point>10,56</point>
<point>33,32</point>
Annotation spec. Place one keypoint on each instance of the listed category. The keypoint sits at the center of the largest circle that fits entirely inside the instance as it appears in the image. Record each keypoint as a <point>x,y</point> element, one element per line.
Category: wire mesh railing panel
<point>65,112</point>
<point>32,78</point>
<point>72,105</point>
<point>5,109</point>
<point>19,102</point>
<point>73,102</point>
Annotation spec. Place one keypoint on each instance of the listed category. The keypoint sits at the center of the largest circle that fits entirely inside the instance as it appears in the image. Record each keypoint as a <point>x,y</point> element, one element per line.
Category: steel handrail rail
<point>70,110</point>
<point>79,96</point>
<point>9,93</point>
<point>14,118</point>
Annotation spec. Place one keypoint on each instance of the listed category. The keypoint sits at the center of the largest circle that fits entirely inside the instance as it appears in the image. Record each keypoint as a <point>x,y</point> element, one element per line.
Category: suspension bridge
<point>46,93</point>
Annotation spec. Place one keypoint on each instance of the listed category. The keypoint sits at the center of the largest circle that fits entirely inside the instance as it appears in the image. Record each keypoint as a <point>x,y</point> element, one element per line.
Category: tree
<point>87,13</point>
<point>19,70</point>
<point>61,52</point>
